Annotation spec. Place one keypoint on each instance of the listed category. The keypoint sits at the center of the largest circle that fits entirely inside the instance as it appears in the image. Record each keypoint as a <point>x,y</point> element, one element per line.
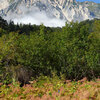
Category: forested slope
<point>29,50</point>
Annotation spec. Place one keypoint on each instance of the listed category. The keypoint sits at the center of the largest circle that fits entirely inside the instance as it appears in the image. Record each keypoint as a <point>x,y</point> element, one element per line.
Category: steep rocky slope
<point>94,8</point>
<point>61,9</point>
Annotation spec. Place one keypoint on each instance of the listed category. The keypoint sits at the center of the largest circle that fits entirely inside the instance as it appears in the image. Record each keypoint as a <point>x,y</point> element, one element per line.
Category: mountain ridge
<point>58,9</point>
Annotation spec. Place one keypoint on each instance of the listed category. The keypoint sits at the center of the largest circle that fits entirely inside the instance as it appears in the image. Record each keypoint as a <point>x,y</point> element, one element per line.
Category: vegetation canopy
<point>29,50</point>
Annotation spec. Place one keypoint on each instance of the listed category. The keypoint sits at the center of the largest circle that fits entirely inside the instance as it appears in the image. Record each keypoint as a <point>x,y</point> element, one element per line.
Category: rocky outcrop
<point>60,9</point>
<point>94,8</point>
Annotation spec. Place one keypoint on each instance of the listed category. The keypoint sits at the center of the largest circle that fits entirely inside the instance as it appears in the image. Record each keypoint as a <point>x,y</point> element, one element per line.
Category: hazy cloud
<point>36,18</point>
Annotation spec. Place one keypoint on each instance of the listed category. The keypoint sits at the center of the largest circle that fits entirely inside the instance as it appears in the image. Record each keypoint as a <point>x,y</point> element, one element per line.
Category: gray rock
<point>59,9</point>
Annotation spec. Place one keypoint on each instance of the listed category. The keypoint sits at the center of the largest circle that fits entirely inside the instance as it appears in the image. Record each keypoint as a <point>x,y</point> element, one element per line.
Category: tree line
<point>29,50</point>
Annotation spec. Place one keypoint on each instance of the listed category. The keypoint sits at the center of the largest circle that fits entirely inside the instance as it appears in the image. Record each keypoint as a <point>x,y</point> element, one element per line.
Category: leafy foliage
<point>73,50</point>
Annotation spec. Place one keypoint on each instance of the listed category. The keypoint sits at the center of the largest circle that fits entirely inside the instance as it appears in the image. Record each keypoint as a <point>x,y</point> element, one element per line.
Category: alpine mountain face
<point>66,10</point>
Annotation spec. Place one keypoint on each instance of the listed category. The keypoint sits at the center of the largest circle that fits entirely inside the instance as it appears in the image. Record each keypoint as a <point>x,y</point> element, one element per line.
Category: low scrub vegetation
<point>46,88</point>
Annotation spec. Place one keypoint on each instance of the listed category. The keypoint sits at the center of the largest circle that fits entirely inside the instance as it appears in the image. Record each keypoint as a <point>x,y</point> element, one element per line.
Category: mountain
<point>94,8</point>
<point>67,10</point>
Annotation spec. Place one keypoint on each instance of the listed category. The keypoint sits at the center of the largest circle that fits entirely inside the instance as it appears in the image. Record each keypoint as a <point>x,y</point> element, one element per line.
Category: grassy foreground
<point>46,88</point>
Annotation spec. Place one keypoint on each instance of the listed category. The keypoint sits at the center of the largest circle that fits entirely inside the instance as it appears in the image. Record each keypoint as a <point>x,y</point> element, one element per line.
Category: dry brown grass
<point>80,90</point>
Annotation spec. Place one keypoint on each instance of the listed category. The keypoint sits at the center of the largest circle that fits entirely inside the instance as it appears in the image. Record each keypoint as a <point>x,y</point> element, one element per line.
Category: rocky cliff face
<point>94,8</point>
<point>3,4</point>
<point>60,9</point>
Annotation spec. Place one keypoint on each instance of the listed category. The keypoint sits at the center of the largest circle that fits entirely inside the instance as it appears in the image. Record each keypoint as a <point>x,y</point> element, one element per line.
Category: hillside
<point>94,8</point>
<point>66,10</point>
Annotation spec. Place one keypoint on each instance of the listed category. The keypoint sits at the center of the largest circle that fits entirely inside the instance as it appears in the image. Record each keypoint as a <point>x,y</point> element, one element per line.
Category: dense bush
<point>73,50</point>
